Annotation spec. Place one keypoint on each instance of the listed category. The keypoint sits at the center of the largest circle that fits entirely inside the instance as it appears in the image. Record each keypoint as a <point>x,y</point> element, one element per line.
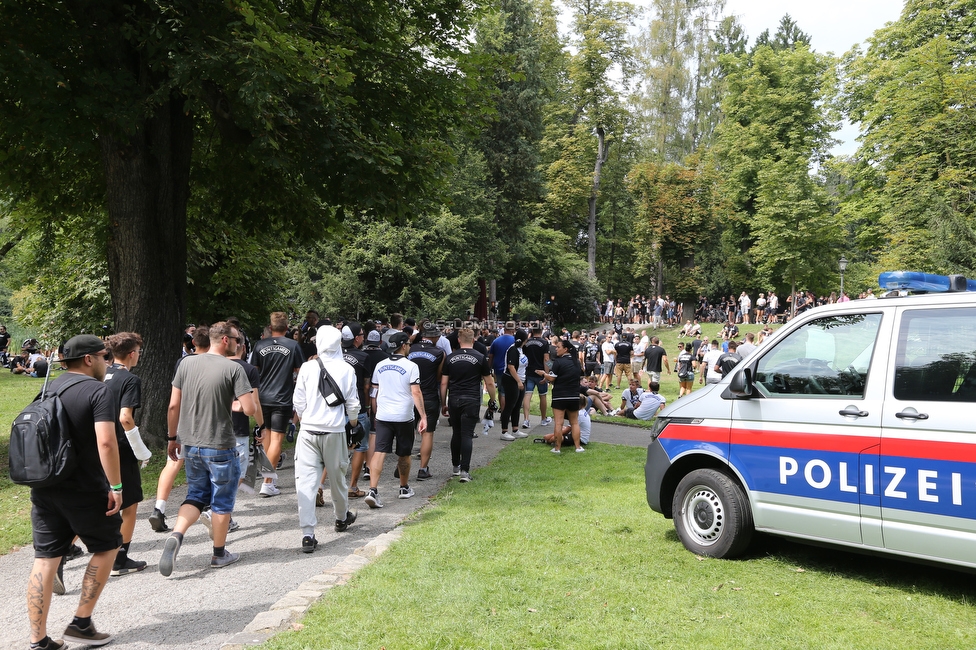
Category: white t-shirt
<point>394,397</point>
<point>584,425</point>
<point>711,358</point>
<point>650,403</point>
<point>773,302</point>
<point>609,354</point>
<point>628,398</point>
<point>745,303</point>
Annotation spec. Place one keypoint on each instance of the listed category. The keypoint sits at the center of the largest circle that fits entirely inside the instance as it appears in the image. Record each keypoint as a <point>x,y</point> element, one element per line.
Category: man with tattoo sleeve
<point>77,505</point>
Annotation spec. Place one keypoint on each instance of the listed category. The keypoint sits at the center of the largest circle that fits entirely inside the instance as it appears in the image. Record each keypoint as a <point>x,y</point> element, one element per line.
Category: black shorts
<point>57,517</point>
<point>591,368</point>
<point>566,403</point>
<point>402,432</point>
<point>433,411</point>
<point>131,477</point>
<point>276,418</point>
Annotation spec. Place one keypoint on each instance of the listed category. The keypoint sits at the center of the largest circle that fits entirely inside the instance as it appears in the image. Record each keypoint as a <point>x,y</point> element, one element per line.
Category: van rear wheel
<point>712,515</point>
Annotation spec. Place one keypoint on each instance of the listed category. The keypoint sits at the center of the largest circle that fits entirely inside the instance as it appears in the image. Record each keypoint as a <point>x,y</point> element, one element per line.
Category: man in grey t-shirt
<point>204,388</point>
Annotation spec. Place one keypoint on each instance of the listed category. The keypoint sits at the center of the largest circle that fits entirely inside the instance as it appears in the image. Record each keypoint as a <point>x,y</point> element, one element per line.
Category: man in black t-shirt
<point>125,348</point>
<point>464,372</point>
<point>624,347</point>
<point>592,356</point>
<point>277,358</point>
<point>430,359</point>
<point>355,356</point>
<point>729,360</point>
<point>656,358</point>
<point>4,342</point>
<point>77,505</point>
<point>536,350</point>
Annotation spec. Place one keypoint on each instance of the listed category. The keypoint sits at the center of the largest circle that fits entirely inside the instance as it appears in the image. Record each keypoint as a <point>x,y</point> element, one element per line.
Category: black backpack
<point>41,450</point>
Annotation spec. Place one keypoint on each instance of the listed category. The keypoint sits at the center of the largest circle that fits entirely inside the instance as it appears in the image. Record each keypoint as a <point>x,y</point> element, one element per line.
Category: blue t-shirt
<point>499,348</point>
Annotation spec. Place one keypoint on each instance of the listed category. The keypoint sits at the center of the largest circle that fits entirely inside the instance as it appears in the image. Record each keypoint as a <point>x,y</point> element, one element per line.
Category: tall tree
<point>308,109</point>
<point>777,131</point>
<point>911,92</point>
<point>508,40</point>
<point>599,29</point>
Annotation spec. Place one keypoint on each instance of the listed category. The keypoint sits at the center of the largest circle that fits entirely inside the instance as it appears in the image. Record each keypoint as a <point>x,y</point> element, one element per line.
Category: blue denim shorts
<point>535,381</point>
<point>211,478</point>
<point>364,444</point>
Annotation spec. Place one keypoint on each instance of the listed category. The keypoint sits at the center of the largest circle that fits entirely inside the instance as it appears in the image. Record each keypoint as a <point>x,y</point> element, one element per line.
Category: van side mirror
<point>741,383</point>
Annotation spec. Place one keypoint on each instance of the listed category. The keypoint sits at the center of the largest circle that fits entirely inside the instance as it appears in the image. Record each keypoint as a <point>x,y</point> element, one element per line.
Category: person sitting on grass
<point>630,398</point>
<point>595,399</point>
<point>648,404</point>
<point>567,433</point>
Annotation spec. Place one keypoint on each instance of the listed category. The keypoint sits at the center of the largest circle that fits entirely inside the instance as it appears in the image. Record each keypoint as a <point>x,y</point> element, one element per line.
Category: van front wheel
<point>712,515</point>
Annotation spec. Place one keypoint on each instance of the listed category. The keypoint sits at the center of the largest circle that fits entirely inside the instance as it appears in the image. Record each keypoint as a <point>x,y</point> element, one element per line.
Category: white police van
<point>854,425</point>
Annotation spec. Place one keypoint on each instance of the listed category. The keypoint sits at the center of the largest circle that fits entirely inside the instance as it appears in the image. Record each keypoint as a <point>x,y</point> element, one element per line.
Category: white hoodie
<point>315,414</point>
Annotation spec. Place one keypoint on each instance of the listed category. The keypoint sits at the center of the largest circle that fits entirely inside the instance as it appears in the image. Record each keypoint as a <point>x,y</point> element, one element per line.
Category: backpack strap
<point>68,383</point>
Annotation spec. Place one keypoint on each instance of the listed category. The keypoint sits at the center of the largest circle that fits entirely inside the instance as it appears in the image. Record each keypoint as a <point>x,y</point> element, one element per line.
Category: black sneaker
<point>73,553</point>
<point>309,543</point>
<point>127,566</point>
<point>158,521</point>
<point>373,499</point>
<point>365,474</point>
<point>50,644</point>
<point>423,474</point>
<point>59,579</point>
<point>171,548</point>
<point>85,636</point>
<point>341,526</point>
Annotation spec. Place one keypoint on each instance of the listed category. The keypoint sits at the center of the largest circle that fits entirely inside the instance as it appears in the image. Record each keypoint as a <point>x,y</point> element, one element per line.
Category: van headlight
<point>659,426</point>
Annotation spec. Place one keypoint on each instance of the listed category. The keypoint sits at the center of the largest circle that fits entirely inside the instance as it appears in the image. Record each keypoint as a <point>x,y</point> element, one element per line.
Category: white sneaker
<point>546,422</point>
<point>507,437</point>
<point>526,425</point>
<point>520,434</point>
<point>269,490</point>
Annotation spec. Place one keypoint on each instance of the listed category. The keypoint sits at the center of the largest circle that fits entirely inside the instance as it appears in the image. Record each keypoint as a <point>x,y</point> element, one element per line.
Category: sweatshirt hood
<point>328,343</point>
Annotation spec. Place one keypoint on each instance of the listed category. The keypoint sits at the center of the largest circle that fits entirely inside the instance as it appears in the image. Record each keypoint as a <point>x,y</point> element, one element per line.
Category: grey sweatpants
<point>312,454</point>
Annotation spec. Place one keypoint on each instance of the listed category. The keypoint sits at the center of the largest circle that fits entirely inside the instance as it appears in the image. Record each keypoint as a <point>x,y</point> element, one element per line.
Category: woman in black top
<point>565,378</point>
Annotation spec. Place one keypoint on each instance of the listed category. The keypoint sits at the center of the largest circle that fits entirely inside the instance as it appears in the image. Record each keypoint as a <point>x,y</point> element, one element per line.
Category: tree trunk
<point>601,157</point>
<point>147,177</point>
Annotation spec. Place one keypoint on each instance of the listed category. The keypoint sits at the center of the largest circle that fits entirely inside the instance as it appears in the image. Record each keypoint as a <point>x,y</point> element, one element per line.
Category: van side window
<point>936,355</point>
<point>827,356</point>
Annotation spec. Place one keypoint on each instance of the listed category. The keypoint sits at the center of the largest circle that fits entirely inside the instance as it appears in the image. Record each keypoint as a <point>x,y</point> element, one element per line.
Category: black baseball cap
<point>79,346</point>
<point>397,340</point>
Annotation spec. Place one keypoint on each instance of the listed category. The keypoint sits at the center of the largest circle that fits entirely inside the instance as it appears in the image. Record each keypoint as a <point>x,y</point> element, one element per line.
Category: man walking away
<point>322,440</point>
<point>202,428</point>
<point>77,504</point>
<point>125,348</point>
<point>397,382</point>
<point>276,358</point>
<point>464,371</point>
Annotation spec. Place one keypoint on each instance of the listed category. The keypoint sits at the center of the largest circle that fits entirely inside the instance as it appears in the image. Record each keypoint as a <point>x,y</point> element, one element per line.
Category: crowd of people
<point>317,384</point>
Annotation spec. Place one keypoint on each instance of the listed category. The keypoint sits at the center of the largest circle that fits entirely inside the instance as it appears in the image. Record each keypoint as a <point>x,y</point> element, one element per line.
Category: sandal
<point>356,494</point>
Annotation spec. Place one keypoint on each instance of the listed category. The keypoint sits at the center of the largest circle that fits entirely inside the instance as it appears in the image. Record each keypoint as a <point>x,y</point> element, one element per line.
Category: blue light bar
<point>924,282</point>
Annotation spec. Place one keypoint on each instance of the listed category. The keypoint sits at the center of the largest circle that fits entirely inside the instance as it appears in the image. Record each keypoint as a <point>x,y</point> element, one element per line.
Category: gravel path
<point>199,607</point>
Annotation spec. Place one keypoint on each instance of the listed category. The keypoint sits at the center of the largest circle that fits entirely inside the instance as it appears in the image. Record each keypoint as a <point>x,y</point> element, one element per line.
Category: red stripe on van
<point>696,432</point>
<point>811,441</point>
<point>957,451</point>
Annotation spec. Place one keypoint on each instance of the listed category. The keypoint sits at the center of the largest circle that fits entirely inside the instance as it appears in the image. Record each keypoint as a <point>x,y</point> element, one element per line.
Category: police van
<point>854,425</point>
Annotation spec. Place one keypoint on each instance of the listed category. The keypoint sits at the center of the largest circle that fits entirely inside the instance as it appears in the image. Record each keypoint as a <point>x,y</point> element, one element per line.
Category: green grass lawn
<point>562,552</point>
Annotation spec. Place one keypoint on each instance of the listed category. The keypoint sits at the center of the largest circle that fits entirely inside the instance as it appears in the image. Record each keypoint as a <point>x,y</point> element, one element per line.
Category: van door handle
<point>853,412</point>
<point>911,414</point>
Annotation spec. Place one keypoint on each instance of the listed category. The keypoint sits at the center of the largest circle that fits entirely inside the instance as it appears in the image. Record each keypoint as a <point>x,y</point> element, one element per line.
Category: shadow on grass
<point>882,571</point>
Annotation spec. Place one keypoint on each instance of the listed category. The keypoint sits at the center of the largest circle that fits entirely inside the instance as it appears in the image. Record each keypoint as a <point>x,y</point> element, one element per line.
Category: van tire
<point>712,514</point>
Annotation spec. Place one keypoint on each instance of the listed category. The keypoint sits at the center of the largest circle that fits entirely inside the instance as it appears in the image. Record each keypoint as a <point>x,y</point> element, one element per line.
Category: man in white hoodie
<point>321,442</point>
